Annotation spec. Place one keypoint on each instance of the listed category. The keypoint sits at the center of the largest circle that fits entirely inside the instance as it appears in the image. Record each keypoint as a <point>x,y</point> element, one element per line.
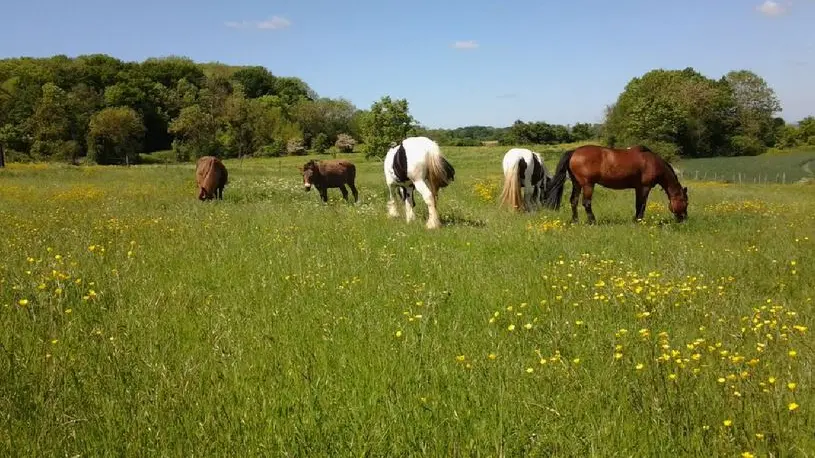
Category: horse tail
<point>439,171</point>
<point>554,187</point>
<point>511,194</point>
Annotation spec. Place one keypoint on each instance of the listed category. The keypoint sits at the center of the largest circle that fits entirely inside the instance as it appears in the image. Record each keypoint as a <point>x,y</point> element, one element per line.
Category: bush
<point>295,147</point>
<point>333,151</point>
<point>742,145</point>
<point>320,143</point>
<point>345,143</point>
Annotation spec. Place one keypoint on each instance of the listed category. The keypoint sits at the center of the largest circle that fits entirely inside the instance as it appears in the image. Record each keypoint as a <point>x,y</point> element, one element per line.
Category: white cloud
<point>771,8</point>
<point>468,44</point>
<point>273,23</point>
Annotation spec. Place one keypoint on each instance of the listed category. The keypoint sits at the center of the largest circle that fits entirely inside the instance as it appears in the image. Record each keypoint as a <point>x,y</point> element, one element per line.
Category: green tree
<point>756,104</point>
<point>196,131</point>
<point>256,81</point>
<point>583,131</point>
<point>51,126</point>
<point>326,116</point>
<point>114,136</point>
<point>673,112</point>
<point>388,121</point>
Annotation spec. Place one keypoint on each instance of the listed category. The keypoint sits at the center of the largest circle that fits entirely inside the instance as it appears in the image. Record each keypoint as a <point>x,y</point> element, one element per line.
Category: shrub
<point>345,143</point>
<point>295,147</point>
<point>320,143</point>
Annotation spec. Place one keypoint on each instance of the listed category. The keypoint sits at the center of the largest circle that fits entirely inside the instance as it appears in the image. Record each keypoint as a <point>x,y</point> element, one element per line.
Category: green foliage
<point>114,136</point>
<point>196,132</point>
<point>701,116</point>
<point>227,111</point>
<point>387,122</point>
<point>320,143</point>
<point>325,116</point>
<point>536,133</point>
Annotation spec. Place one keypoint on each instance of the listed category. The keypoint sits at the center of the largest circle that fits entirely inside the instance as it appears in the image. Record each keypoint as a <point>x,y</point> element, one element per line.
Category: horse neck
<point>670,182</point>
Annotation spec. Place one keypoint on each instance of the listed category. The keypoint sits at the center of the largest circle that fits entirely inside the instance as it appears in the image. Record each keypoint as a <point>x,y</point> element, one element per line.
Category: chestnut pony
<point>331,173</point>
<point>636,167</point>
<point>211,177</point>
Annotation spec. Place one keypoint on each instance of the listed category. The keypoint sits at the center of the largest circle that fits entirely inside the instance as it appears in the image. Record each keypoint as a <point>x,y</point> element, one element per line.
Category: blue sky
<point>457,62</point>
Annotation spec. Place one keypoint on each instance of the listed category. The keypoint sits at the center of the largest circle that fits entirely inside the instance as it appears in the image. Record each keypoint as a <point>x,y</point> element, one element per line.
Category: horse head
<point>679,205</point>
<point>309,169</point>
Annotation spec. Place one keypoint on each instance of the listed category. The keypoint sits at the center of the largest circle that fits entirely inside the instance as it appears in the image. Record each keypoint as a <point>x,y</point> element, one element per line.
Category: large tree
<point>674,112</point>
<point>756,106</point>
<point>388,121</point>
<point>114,136</point>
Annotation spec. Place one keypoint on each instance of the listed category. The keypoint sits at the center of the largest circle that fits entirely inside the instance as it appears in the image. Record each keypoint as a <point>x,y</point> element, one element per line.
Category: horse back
<point>336,172</point>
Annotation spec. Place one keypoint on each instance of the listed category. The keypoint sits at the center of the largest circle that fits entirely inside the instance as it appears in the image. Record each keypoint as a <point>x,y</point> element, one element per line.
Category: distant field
<point>772,168</point>
<point>777,168</point>
<point>135,320</point>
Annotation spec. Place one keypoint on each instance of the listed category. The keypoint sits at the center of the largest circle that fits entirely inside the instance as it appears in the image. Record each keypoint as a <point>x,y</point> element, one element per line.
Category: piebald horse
<point>523,169</point>
<point>416,163</point>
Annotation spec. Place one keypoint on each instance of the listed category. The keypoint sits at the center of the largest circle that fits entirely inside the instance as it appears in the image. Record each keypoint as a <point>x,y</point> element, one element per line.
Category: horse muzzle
<point>307,187</point>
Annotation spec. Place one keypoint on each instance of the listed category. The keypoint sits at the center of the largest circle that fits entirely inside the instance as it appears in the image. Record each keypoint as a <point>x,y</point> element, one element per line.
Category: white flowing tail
<point>511,194</point>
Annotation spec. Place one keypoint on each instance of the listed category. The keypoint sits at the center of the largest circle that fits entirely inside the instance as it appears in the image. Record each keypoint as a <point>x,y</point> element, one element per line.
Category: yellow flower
<point>399,333</point>
<point>728,423</point>
<point>530,370</point>
<point>23,302</point>
<point>792,353</point>
<point>460,358</point>
<point>792,385</point>
<point>511,327</point>
<point>492,356</point>
<point>747,455</point>
<point>640,366</point>
<point>792,406</point>
<point>528,326</point>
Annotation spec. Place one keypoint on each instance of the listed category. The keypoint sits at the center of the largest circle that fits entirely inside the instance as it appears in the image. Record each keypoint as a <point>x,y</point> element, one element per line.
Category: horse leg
<point>407,198</point>
<point>588,190</point>
<point>392,211</point>
<point>642,199</point>
<point>529,191</point>
<point>354,191</point>
<point>433,221</point>
<point>323,193</point>
<point>574,199</point>
<point>344,192</point>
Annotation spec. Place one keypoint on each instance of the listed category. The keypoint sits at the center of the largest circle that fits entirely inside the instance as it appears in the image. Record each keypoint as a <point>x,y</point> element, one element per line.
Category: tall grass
<point>138,321</point>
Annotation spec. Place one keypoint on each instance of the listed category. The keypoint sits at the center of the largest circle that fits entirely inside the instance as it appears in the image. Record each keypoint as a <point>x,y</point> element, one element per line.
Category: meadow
<point>136,320</point>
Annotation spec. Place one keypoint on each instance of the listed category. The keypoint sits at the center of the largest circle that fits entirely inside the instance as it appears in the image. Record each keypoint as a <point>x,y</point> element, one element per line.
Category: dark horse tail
<point>554,188</point>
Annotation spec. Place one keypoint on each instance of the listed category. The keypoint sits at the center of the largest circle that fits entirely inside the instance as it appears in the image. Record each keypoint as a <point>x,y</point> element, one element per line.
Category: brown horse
<point>331,173</point>
<point>636,167</point>
<point>211,176</point>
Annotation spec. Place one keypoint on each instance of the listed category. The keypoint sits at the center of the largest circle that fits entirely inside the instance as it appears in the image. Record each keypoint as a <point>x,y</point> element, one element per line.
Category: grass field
<point>138,321</point>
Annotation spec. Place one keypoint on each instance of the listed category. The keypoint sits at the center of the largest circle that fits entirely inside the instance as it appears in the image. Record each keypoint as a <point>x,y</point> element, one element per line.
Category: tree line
<point>108,111</point>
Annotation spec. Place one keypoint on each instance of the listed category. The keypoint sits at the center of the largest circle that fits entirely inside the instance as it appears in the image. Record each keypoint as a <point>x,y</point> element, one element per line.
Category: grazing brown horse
<point>211,176</point>
<point>636,167</point>
<point>331,173</point>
